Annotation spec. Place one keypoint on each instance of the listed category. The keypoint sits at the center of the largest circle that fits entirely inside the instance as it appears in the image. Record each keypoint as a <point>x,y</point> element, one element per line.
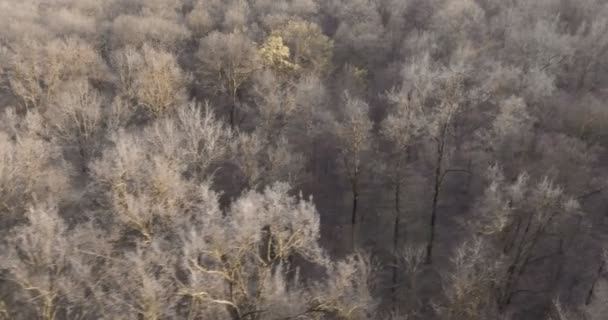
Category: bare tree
<point>511,133</point>
<point>150,77</point>
<point>194,140</point>
<point>204,17</point>
<point>76,119</point>
<point>27,165</point>
<point>155,31</point>
<point>250,255</point>
<point>144,181</point>
<point>591,47</point>
<point>35,71</point>
<point>227,62</point>
<point>405,288</point>
<point>464,19</point>
<point>595,304</point>
<point>160,83</point>
<point>520,216</point>
<point>354,138</point>
<point>469,289</point>
<point>439,93</point>
<point>360,34</point>
<point>401,129</point>
<point>44,261</point>
<point>142,284</point>
<point>275,102</point>
<point>151,153</point>
<point>262,163</point>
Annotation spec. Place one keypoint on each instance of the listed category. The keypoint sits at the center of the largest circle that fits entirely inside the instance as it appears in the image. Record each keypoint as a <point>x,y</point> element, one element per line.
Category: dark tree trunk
<point>232,115</point>
<point>600,270</point>
<point>396,242</point>
<point>233,110</point>
<point>83,157</point>
<point>436,191</point>
<point>354,213</point>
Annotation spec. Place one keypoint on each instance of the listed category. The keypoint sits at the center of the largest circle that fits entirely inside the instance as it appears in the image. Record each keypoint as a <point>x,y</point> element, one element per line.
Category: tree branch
<point>445,173</point>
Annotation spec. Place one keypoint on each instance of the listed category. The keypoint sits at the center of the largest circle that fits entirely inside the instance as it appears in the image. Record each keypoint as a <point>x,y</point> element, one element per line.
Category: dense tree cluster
<point>303,159</point>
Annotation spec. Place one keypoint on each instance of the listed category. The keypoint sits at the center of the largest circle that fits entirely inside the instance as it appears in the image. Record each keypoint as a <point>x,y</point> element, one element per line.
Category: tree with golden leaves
<point>309,48</point>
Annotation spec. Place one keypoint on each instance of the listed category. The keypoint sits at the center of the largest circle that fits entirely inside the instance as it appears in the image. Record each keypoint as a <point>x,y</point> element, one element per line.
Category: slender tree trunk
<point>234,313</point>
<point>313,160</point>
<point>232,114</point>
<point>510,243</point>
<point>354,211</point>
<point>396,242</point>
<point>355,190</point>
<point>600,270</point>
<point>83,158</point>
<point>436,191</point>
<point>560,269</point>
<point>233,107</point>
<point>47,310</point>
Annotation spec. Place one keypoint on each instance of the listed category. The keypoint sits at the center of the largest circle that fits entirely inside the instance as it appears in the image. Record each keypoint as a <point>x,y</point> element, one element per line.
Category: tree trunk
<point>232,115</point>
<point>233,107</point>
<point>597,277</point>
<point>354,213</point>
<point>396,243</point>
<point>560,269</point>
<point>83,158</point>
<point>234,313</point>
<point>436,191</point>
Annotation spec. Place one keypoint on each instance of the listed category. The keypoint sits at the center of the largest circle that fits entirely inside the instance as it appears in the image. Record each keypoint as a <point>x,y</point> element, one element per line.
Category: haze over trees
<point>303,159</point>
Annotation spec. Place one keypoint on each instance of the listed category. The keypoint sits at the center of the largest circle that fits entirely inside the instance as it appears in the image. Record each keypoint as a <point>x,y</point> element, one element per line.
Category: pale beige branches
<point>291,224</point>
<point>404,124</point>
<point>470,285</point>
<point>193,139</point>
<point>354,79</point>
<point>76,119</point>
<point>247,151</point>
<point>460,19</point>
<point>261,163</point>
<point>275,104</point>
<point>403,128</point>
<point>516,217</point>
<point>149,179</point>
<point>354,134</point>
<point>310,97</point>
<point>227,61</point>
<point>344,293</point>
<point>156,31</point>
<point>4,315</point>
<point>234,264</point>
<point>142,284</point>
<point>347,292</point>
<point>43,250</point>
<point>204,17</point>
<point>28,170</point>
<point>436,96</point>
<point>511,131</point>
<point>142,193</point>
<point>405,287</point>
<point>557,311</point>
<point>43,261</point>
<point>150,77</point>
<point>36,71</point>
